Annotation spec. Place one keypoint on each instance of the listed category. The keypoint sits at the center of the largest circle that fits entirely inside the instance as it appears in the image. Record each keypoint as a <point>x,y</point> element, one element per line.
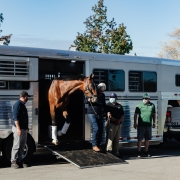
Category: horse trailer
<point>32,69</point>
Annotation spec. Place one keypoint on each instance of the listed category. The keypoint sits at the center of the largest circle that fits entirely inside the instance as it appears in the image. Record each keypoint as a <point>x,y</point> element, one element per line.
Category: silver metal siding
<point>32,69</point>
<point>127,129</point>
<point>6,108</point>
<point>57,53</point>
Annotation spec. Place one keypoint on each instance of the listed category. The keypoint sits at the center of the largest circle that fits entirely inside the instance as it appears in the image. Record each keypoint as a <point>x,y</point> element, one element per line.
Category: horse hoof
<point>55,142</point>
<point>60,133</point>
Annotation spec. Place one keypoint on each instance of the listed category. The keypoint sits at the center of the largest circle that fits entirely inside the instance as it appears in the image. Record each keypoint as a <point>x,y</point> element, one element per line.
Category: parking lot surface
<point>164,164</point>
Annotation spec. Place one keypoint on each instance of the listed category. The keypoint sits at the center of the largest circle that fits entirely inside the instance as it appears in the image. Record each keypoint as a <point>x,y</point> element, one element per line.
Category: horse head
<point>90,88</point>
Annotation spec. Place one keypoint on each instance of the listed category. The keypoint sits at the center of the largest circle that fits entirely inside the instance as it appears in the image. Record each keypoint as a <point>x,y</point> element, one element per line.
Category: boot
<point>65,128</point>
<point>54,135</point>
<point>59,133</point>
<point>103,148</point>
<point>96,149</point>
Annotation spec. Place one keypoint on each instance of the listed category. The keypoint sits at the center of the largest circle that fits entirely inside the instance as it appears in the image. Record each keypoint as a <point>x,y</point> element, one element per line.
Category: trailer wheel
<point>29,149</point>
<point>7,147</point>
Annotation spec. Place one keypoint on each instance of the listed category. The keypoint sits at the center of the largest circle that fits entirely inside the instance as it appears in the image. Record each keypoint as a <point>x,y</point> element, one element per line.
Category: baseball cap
<point>113,95</point>
<point>102,86</point>
<point>24,94</point>
<point>146,95</point>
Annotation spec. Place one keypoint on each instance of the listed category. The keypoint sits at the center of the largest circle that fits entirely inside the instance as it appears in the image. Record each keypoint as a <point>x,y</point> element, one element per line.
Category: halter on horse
<point>58,97</point>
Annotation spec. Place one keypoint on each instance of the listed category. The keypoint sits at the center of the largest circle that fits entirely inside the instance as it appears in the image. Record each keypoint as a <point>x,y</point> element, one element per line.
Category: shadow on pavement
<point>169,149</point>
<point>44,157</point>
<point>40,158</point>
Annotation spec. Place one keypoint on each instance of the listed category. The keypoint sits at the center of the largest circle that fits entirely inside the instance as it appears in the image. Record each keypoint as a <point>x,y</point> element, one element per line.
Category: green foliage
<point>102,36</point>
<point>6,39</point>
<point>1,20</point>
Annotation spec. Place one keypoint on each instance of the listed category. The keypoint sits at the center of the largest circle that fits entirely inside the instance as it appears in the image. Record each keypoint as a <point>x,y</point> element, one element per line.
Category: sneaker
<point>102,148</point>
<point>15,165</point>
<point>139,154</point>
<point>146,154</point>
<point>116,154</point>
<point>23,165</point>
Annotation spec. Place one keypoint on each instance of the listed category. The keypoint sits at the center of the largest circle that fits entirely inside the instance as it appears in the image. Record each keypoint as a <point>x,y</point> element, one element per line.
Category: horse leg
<point>66,124</point>
<point>54,125</point>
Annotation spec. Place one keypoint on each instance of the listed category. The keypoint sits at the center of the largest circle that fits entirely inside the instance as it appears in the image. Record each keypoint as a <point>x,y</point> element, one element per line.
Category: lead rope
<point>93,108</point>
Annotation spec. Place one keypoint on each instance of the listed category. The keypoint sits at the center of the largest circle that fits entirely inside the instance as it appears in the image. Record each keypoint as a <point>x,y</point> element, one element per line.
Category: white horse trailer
<point>32,69</point>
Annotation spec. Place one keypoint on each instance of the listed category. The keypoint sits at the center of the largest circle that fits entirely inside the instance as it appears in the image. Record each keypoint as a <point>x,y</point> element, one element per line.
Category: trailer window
<point>114,79</point>
<point>19,85</point>
<point>142,81</point>
<point>24,85</point>
<point>15,68</point>
<point>2,84</point>
<point>177,80</point>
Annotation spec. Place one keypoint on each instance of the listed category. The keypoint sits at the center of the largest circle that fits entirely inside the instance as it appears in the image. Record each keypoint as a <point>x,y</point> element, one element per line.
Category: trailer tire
<point>7,148</point>
<point>30,149</point>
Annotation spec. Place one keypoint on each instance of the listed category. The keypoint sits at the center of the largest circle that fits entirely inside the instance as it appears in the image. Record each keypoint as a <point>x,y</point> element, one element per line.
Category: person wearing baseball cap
<point>24,94</point>
<point>96,113</point>
<point>146,112</point>
<point>19,129</point>
<point>115,117</point>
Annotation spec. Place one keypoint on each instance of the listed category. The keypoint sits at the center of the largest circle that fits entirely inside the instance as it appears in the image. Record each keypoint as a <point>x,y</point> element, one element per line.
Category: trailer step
<point>85,158</point>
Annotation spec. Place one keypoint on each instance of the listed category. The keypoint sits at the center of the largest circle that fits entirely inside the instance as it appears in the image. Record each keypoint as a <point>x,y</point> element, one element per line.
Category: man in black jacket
<point>96,112</point>
<point>115,115</point>
<point>19,129</point>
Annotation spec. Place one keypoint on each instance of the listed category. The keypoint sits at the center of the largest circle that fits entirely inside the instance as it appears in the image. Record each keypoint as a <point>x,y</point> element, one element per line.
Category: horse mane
<point>70,77</point>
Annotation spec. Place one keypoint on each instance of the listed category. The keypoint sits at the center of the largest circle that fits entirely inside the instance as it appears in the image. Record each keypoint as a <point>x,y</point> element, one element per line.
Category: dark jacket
<point>115,110</point>
<point>20,114</point>
<point>99,106</point>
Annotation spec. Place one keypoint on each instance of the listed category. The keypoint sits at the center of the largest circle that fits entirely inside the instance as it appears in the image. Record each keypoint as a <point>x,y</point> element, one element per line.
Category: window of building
<point>177,80</point>
<point>114,79</point>
<point>24,85</point>
<point>142,81</point>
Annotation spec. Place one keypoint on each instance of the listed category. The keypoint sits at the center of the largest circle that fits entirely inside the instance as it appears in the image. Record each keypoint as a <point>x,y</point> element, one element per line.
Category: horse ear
<point>91,76</point>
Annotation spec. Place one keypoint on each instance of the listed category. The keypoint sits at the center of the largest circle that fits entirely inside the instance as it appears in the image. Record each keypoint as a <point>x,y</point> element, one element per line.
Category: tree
<point>101,35</point>
<point>4,39</point>
<point>1,20</point>
<point>171,49</point>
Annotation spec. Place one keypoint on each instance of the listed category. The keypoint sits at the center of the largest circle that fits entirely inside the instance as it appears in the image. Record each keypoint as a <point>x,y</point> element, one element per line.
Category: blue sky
<point>55,23</point>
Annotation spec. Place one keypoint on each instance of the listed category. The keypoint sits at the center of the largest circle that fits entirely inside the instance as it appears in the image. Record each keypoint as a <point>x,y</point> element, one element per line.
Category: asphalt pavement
<point>164,164</point>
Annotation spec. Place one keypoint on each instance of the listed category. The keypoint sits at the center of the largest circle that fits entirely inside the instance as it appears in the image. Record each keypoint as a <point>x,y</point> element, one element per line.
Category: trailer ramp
<point>84,158</point>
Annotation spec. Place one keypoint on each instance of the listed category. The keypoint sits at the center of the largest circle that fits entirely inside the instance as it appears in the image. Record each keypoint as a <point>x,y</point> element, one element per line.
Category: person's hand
<point>154,125</point>
<point>109,115</point>
<point>135,126</point>
<point>89,99</point>
<point>18,131</point>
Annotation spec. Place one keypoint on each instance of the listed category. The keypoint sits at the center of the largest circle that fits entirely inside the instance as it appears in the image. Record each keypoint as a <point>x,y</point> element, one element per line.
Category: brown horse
<point>58,97</point>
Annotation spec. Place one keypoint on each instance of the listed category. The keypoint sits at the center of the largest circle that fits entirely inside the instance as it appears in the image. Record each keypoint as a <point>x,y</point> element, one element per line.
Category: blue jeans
<point>98,129</point>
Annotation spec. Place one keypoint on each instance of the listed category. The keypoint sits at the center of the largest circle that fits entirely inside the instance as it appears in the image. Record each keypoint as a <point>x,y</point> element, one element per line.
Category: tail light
<point>168,117</point>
